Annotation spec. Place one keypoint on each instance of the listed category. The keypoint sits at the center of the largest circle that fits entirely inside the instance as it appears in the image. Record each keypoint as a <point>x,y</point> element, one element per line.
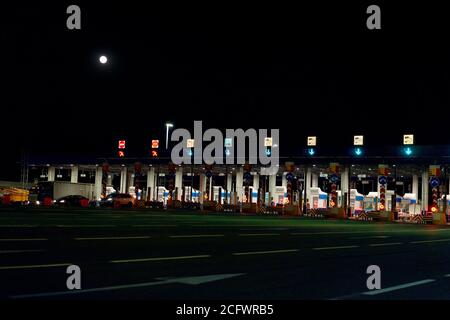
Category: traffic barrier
<point>140,204</point>
<point>48,201</point>
<point>439,218</point>
<point>291,210</point>
<point>6,199</point>
<point>418,219</point>
<point>315,213</point>
<point>209,205</point>
<point>84,203</point>
<point>248,207</point>
<point>267,210</point>
<point>364,217</point>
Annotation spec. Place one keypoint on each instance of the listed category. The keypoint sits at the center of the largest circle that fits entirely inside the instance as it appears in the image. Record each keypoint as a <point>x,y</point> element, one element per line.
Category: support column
<point>98,183</point>
<point>202,187</point>
<point>123,180</point>
<point>240,182</point>
<point>151,183</point>
<point>284,180</point>
<point>345,185</point>
<point>130,181</point>
<point>179,182</point>
<point>308,178</point>
<point>425,190</point>
<point>272,187</point>
<point>415,185</point>
<point>314,180</point>
<point>74,174</point>
<point>228,189</point>
<point>51,174</point>
<point>211,190</point>
<point>255,185</point>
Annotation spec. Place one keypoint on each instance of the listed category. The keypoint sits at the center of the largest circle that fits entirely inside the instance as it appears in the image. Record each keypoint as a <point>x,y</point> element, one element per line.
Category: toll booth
<point>162,194</point>
<point>356,202</point>
<point>187,194</point>
<point>280,195</point>
<point>224,194</point>
<point>317,198</point>
<point>110,190</point>
<point>372,200</point>
<point>407,204</point>
<point>441,204</point>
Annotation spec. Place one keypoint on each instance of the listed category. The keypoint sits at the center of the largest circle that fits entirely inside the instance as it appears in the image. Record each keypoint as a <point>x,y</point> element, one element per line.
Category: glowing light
<point>408,151</point>
<point>103,59</point>
<point>311,151</point>
<point>434,209</point>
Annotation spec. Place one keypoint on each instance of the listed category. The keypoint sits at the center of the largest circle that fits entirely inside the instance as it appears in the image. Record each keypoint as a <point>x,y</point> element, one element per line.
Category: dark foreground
<point>133,254</point>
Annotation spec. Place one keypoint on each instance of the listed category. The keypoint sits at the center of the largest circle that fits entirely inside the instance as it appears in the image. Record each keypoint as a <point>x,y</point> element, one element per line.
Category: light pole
<point>168,125</point>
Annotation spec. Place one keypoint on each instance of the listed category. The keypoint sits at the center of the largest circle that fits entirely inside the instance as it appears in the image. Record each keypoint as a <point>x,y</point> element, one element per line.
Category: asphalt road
<point>130,254</point>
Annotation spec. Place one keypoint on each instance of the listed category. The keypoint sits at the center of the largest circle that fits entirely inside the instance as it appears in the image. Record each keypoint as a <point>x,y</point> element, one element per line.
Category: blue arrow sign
<point>358,151</point>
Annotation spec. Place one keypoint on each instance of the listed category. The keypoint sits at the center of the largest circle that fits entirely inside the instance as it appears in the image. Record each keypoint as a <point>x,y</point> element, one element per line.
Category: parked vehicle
<point>72,201</point>
<point>118,199</point>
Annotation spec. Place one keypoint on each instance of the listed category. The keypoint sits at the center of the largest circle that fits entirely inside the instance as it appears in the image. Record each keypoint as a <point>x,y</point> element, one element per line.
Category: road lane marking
<point>257,234</point>
<point>25,239</point>
<point>154,225</point>
<point>195,280</point>
<point>84,225</point>
<point>35,266</point>
<point>20,251</point>
<point>160,259</point>
<point>372,237</point>
<point>264,252</point>
<point>325,232</point>
<point>399,287</point>
<point>385,244</point>
<point>198,236</point>
<point>18,226</point>
<point>333,248</point>
<point>429,241</point>
<point>112,238</point>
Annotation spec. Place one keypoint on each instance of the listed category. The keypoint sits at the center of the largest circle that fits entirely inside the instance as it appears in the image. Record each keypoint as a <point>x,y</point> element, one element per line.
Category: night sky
<point>305,70</point>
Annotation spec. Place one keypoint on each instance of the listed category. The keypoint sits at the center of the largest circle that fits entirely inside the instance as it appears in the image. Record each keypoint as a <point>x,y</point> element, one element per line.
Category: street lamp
<point>168,125</point>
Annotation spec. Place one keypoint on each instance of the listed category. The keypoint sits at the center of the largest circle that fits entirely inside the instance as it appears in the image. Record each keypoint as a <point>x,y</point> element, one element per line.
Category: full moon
<point>103,59</point>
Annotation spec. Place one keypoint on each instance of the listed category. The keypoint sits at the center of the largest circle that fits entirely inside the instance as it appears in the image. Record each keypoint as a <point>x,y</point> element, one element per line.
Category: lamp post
<point>168,125</point>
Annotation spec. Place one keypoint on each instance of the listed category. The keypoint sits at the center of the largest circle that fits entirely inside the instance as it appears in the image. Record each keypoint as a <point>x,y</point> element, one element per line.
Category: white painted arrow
<point>195,280</point>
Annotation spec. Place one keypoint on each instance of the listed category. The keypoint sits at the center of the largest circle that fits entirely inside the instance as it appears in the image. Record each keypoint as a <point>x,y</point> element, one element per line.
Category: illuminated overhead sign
<point>154,153</point>
<point>155,144</point>
<point>190,143</point>
<point>268,142</point>
<point>121,144</point>
<point>408,139</point>
<point>358,140</point>
<point>312,141</point>
<point>121,154</point>
<point>228,142</point>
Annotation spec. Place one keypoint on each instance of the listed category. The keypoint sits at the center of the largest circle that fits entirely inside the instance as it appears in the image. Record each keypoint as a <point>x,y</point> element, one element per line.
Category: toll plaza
<point>397,183</point>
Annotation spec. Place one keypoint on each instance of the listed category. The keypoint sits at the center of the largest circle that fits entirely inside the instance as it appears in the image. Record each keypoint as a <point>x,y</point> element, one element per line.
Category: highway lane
<point>274,257</point>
